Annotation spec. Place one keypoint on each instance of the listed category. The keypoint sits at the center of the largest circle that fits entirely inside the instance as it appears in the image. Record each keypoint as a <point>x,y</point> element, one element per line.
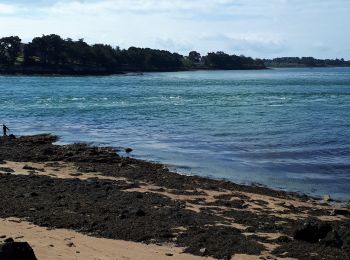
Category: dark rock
<point>332,239</point>
<point>343,212</point>
<point>9,240</point>
<point>140,213</point>
<point>312,232</point>
<point>169,254</point>
<point>17,251</point>
<point>128,150</point>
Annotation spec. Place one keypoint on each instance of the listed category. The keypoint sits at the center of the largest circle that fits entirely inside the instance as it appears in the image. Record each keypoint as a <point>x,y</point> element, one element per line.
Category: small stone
<point>3,236</point>
<point>203,251</point>
<point>78,252</point>
<point>327,198</point>
<point>169,254</point>
<point>51,246</point>
<point>128,150</point>
<point>71,244</point>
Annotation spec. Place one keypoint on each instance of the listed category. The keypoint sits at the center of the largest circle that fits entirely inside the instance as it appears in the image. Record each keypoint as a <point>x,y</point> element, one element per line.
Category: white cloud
<point>247,43</point>
<point>7,9</point>
<point>250,27</point>
<point>137,6</point>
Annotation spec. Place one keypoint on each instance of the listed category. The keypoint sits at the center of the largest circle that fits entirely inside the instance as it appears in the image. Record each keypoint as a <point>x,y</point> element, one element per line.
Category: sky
<point>257,28</point>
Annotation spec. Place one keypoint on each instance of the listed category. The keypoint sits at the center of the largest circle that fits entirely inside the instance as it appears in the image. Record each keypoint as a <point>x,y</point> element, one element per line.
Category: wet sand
<point>114,203</point>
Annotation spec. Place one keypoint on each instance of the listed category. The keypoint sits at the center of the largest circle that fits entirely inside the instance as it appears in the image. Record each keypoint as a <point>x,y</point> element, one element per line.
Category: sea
<point>287,129</point>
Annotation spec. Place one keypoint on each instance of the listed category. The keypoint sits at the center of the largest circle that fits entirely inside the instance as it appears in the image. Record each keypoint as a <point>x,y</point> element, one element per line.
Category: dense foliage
<point>52,54</point>
<point>305,62</point>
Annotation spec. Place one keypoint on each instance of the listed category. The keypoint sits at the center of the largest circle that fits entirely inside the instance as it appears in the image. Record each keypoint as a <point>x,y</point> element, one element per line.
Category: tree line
<point>53,54</point>
<point>305,62</point>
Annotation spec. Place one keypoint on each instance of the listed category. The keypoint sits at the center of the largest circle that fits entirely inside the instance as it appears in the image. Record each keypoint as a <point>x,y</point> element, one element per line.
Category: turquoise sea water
<point>284,128</point>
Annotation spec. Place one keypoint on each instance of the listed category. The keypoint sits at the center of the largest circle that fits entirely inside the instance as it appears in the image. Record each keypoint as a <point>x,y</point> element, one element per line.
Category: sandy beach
<point>83,202</point>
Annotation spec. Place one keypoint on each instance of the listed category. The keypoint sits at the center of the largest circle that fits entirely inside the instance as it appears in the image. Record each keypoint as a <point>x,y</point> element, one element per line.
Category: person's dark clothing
<point>5,128</point>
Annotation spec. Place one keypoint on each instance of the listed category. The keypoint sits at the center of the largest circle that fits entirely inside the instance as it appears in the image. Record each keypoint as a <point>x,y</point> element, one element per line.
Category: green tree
<point>10,48</point>
<point>195,57</point>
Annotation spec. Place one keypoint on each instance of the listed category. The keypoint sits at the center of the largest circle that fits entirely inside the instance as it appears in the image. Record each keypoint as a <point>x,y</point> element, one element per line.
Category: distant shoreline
<point>89,72</point>
<point>62,72</point>
<point>51,54</point>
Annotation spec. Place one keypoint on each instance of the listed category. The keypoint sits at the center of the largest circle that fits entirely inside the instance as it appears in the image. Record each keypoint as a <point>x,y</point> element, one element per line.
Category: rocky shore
<point>96,192</point>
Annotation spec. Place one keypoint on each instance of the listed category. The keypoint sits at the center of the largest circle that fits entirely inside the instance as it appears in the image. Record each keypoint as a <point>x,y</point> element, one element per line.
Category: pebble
<point>169,254</point>
<point>71,244</point>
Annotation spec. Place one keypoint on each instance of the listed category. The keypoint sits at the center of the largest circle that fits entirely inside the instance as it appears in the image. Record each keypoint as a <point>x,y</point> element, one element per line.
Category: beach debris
<point>327,198</point>
<point>128,150</point>
<point>312,232</point>
<point>16,250</point>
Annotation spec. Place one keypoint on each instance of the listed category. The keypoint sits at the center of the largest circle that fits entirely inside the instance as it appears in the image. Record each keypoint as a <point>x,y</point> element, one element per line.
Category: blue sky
<point>258,28</point>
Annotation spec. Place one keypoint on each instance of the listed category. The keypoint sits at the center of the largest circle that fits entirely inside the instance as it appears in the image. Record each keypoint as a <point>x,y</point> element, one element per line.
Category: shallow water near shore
<point>283,128</point>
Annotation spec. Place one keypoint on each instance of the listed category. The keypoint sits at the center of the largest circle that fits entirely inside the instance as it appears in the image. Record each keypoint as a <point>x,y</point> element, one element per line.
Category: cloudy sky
<point>258,28</point>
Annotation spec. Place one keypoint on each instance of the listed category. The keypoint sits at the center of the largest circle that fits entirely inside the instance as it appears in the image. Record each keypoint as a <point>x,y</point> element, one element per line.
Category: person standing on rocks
<point>5,129</point>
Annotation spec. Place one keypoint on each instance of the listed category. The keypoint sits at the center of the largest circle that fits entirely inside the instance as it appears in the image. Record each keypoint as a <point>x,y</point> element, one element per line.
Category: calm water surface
<point>284,128</point>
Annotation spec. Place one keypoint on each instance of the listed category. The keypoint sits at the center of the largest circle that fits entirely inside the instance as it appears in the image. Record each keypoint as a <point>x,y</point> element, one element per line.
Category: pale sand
<point>55,244</point>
